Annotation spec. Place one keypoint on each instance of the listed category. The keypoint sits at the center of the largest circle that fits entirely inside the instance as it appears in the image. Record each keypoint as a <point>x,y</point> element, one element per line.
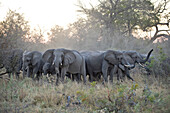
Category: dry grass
<point>30,96</point>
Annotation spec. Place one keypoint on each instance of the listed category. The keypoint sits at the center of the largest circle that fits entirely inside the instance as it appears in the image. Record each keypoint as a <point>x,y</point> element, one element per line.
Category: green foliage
<point>161,54</point>
<point>159,65</point>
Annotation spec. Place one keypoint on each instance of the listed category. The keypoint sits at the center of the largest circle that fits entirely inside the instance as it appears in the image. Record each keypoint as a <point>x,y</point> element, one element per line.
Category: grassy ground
<point>147,94</point>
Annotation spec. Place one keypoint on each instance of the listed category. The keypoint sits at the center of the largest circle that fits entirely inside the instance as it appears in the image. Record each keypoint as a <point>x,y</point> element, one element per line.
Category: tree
<point>163,14</point>
<point>13,30</point>
<point>124,16</point>
<point>58,37</point>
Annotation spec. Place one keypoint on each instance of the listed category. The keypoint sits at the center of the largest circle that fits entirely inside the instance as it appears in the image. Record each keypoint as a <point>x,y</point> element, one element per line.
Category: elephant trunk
<point>144,60</point>
<point>57,70</point>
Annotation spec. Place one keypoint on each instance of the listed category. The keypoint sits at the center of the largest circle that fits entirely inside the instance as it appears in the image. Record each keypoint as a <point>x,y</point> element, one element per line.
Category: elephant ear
<point>110,58</point>
<point>48,55</point>
<point>34,59</point>
<point>46,66</point>
<point>69,58</point>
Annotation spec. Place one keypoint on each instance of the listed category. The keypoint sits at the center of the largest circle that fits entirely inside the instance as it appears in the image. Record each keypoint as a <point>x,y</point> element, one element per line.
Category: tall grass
<point>144,95</point>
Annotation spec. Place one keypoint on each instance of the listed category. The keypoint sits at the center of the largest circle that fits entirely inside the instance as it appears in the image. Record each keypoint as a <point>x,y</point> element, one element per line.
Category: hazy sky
<point>44,13</point>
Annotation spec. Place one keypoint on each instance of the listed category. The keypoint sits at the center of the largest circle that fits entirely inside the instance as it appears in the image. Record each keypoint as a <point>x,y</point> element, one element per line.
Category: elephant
<point>32,64</point>
<point>12,61</point>
<point>48,58</point>
<point>105,62</point>
<point>96,75</point>
<point>134,57</point>
<point>48,69</point>
<point>66,61</point>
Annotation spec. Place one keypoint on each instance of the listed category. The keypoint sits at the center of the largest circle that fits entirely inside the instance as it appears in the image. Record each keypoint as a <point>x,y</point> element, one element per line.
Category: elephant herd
<point>73,64</point>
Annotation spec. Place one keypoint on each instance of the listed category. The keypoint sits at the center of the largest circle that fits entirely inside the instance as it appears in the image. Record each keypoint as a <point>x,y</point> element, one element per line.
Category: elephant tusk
<point>127,65</point>
<point>141,65</point>
<point>53,63</point>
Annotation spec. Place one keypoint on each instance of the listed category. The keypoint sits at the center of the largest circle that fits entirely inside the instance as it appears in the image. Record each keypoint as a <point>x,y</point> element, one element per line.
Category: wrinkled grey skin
<point>65,61</point>
<point>48,58</point>
<point>101,61</point>
<point>70,61</point>
<point>48,69</point>
<point>12,61</point>
<point>133,57</point>
<point>32,64</point>
<point>96,75</point>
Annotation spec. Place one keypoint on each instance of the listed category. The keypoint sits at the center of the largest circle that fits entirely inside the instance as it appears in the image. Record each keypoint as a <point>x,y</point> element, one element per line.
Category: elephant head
<point>63,58</point>
<point>135,57</point>
<point>31,58</point>
<point>26,59</point>
<point>46,68</point>
<point>117,58</point>
<point>48,56</point>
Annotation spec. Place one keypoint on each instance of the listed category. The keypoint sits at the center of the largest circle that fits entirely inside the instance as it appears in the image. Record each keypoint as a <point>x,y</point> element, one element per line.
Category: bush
<point>160,64</point>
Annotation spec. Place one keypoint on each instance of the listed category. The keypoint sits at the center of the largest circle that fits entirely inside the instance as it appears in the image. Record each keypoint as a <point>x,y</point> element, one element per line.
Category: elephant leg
<point>17,75</point>
<point>90,73</point>
<point>23,73</point>
<point>28,71</point>
<point>38,76</point>
<point>112,72</point>
<point>104,71</point>
<point>76,77</point>
<point>63,73</point>
<point>105,75</point>
<point>91,78</point>
<point>120,75</point>
<point>84,77</point>
<point>99,76</point>
<point>79,77</point>
<point>35,72</point>
<point>73,77</point>
<point>70,76</point>
<point>57,78</point>
<point>128,74</point>
<point>48,78</point>
<point>83,72</point>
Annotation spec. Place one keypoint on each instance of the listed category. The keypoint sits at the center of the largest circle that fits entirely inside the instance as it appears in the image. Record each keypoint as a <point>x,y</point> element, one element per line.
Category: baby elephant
<point>32,64</point>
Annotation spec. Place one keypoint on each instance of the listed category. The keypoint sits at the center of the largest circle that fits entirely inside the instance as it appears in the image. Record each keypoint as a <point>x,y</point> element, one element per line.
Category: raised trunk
<point>143,61</point>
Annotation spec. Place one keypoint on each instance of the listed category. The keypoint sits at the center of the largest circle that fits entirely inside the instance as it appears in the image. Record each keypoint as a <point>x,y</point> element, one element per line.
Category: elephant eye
<point>120,58</point>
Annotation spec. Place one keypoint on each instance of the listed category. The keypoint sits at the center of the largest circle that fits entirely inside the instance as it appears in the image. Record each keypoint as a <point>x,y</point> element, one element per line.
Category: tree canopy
<point>125,16</point>
<point>13,28</point>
